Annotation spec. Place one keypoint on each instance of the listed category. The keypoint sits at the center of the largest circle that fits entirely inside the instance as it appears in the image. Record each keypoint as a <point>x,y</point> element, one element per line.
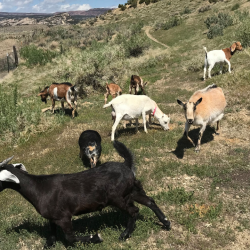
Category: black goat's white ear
<point>6,175</point>
<point>20,166</point>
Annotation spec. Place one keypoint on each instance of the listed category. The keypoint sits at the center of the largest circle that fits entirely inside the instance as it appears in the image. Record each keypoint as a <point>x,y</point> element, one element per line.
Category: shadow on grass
<point>115,220</point>
<point>184,143</point>
<point>67,112</point>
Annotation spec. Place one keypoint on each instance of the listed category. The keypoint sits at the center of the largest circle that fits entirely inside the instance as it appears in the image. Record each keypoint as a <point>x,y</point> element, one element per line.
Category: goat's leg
<point>229,65</point>
<point>145,200</point>
<point>66,226</point>
<point>209,70</point>
<point>62,104</point>
<point>144,122</point>
<point>221,66</point>
<point>198,146</point>
<point>53,105</point>
<point>205,70</point>
<point>142,88</point>
<point>136,124</point>
<point>106,97</point>
<point>187,126</point>
<point>117,120</point>
<point>129,207</point>
<point>52,239</point>
<point>130,89</point>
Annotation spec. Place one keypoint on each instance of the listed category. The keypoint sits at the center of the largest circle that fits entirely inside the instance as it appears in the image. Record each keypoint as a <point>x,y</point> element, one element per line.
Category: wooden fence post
<point>15,56</point>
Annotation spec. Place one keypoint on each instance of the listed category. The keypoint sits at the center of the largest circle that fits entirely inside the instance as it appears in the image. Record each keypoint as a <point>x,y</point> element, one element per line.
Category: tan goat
<point>112,89</point>
<point>204,107</point>
<point>137,83</point>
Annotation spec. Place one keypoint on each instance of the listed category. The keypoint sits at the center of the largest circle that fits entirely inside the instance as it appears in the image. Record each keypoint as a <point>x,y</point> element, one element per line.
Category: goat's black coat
<point>90,146</point>
<point>59,197</point>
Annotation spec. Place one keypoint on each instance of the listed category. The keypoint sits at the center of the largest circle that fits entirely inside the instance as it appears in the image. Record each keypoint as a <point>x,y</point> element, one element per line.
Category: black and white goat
<point>58,197</point>
<point>90,146</point>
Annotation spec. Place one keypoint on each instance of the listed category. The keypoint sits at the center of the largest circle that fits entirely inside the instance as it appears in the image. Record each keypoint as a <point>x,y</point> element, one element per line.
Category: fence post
<point>8,63</point>
<point>15,55</point>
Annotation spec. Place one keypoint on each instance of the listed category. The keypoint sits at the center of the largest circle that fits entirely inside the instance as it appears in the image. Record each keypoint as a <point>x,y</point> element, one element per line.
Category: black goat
<point>90,146</point>
<point>59,197</point>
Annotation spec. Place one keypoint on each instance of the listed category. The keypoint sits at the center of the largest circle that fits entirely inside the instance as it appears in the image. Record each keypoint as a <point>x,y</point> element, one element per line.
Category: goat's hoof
<point>167,224</point>
<point>123,236</point>
<point>197,150</point>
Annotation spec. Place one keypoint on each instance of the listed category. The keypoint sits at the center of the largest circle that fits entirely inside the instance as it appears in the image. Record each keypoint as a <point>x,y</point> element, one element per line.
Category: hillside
<point>205,195</point>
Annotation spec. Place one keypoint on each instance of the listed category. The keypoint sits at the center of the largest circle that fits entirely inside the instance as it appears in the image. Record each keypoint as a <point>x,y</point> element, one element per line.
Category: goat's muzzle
<point>190,121</point>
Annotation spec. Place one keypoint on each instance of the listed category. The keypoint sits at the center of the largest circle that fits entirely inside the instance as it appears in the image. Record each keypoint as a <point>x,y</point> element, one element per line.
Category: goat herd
<point>58,197</point>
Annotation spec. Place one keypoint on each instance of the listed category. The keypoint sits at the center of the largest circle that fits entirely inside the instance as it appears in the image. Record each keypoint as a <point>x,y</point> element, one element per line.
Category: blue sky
<point>51,6</point>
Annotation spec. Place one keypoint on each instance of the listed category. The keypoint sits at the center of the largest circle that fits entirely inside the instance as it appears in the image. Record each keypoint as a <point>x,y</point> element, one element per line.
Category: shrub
<point>186,11</point>
<point>204,8</point>
<point>243,33</point>
<point>172,22</point>
<point>215,30</point>
<point>235,7</point>
<point>34,55</point>
<point>122,7</point>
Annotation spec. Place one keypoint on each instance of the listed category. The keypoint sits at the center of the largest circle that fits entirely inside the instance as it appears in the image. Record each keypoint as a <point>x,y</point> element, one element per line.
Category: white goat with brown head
<point>205,106</point>
<point>64,92</point>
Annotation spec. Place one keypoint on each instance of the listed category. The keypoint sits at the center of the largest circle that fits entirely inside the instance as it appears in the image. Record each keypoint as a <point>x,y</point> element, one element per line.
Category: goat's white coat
<point>212,57</point>
<point>129,107</point>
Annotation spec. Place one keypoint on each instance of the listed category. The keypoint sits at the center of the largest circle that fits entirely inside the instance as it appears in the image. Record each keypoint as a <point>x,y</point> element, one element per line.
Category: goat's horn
<point>5,162</point>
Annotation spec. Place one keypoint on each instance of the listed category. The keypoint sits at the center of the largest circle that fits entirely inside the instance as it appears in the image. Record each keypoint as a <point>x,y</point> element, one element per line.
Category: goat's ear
<point>233,47</point>
<point>180,102</point>
<point>6,175</point>
<point>20,166</point>
<point>198,102</point>
<point>39,94</point>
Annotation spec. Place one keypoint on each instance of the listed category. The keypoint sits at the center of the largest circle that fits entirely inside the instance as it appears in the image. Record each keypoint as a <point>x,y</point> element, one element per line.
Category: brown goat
<point>136,82</point>
<point>60,92</point>
<point>112,89</point>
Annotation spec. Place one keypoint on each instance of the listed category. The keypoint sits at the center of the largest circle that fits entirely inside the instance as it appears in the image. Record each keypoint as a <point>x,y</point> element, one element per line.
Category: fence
<point>10,62</point>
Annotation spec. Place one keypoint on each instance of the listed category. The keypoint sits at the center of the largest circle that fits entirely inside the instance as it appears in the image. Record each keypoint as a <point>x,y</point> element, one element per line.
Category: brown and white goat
<point>112,89</point>
<point>136,83</point>
<point>60,92</point>
<point>204,107</point>
<point>219,56</point>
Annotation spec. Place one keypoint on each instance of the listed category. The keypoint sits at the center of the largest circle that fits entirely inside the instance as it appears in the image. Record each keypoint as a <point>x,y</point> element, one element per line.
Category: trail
<point>147,29</point>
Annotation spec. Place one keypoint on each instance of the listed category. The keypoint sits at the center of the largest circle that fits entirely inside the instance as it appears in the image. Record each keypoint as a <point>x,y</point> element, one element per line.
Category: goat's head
<point>92,153</point>
<point>164,120</point>
<point>236,46</point>
<point>6,175</point>
<point>189,109</point>
<point>44,94</point>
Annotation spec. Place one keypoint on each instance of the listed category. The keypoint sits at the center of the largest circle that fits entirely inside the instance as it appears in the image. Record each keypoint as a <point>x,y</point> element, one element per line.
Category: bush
<point>122,7</point>
<point>34,55</point>
<point>204,8</point>
<point>186,11</point>
<point>215,30</point>
<point>172,22</point>
<point>235,7</point>
<point>243,33</point>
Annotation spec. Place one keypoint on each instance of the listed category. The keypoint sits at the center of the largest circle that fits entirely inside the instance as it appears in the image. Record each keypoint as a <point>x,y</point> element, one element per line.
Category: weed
<point>235,7</point>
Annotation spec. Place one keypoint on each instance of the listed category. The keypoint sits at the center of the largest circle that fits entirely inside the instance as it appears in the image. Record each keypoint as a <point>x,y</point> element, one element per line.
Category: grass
<point>201,193</point>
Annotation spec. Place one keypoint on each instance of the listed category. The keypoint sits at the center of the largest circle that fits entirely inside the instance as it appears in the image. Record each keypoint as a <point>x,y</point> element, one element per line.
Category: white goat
<point>204,107</point>
<point>130,107</point>
<point>219,56</point>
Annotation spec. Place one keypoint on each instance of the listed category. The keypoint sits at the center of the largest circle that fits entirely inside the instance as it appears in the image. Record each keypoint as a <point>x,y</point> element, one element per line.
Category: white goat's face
<point>164,121</point>
<point>189,109</point>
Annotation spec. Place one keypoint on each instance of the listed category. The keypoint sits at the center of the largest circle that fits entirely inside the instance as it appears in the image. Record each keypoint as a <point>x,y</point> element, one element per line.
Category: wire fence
<point>10,62</point>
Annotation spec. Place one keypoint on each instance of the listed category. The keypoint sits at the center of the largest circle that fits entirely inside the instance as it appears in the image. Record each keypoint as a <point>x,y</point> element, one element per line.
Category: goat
<point>136,82</point>
<point>219,56</point>
<point>130,107</point>
<point>60,92</point>
<point>90,146</point>
<point>112,89</point>
<point>204,107</point>
<point>60,196</point>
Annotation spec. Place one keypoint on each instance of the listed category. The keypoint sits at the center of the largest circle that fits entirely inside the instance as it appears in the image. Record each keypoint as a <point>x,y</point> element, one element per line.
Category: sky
<point>51,6</point>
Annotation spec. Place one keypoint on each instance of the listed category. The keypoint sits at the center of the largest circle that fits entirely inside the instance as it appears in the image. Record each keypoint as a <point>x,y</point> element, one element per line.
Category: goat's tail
<point>125,153</point>
<point>205,50</point>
